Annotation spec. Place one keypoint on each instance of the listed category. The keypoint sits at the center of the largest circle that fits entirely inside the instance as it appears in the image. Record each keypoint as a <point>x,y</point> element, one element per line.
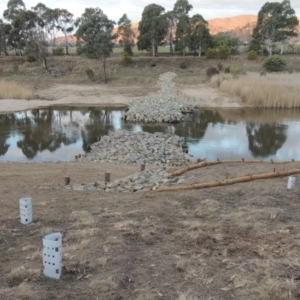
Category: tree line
<point>33,30</point>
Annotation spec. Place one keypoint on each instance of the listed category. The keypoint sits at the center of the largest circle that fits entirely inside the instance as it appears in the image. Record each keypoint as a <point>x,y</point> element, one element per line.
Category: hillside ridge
<point>240,26</point>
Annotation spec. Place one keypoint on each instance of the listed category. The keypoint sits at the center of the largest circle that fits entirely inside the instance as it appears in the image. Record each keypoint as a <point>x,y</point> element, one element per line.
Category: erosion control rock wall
<point>125,147</point>
<point>164,106</point>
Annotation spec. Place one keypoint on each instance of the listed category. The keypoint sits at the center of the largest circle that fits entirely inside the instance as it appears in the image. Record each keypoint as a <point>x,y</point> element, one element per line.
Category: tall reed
<point>13,90</point>
<point>278,91</point>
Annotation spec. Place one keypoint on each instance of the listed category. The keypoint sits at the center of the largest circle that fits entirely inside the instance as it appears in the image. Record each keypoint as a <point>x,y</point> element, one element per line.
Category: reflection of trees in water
<point>194,126</point>
<point>41,132</point>
<point>197,123</point>
<point>100,122</point>
<point>7,121</point>
<point>161,127</point>
<point>265,139</point>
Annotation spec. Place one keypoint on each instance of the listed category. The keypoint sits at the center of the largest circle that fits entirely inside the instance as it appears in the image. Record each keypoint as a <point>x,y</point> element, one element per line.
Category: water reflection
<point>61,133</point>
<point>266,139</point>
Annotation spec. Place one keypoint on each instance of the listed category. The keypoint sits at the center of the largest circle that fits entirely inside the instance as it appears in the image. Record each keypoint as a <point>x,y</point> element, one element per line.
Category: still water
<point>53,134</point>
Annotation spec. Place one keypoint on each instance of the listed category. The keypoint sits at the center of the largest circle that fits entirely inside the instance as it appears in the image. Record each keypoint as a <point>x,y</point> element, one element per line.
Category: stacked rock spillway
<point>164,106</point>
<point>125,147</point>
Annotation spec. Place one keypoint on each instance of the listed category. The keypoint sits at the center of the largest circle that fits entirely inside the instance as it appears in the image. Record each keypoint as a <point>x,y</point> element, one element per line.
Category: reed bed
<point>13,90</point>
<point>274,90</point>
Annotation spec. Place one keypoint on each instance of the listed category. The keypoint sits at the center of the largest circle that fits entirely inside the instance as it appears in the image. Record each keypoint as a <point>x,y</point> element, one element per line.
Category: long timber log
<point>212,163</point>
<point>229,181</point>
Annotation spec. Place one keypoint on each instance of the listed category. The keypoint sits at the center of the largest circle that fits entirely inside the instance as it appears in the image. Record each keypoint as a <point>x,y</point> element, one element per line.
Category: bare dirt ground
<point>232,242</point>
<point>114,95</point>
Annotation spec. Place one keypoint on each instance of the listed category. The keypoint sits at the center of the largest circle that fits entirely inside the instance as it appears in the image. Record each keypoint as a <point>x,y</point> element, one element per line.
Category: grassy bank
<point>13,90</point>
<point>267,90</point>
<point>144,69</point>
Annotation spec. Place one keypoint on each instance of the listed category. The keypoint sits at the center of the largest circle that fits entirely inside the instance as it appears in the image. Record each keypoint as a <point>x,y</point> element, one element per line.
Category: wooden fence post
<point>66,180</point>
<point>107,177</point>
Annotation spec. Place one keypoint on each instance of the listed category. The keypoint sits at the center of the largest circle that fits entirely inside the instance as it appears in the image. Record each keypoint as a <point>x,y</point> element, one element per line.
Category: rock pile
<point>125,147</point>
<point>144,181</point>
<point>164,106</point>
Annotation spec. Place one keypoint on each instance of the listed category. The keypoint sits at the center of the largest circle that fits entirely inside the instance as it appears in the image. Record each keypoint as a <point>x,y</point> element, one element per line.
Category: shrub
<point>236,71</point>
<point>30,58</point>
<point>252,55</point>
<point>220,66</point>
<point>127,59</point>
<point>183,65</point>
<point>58,51</point>
<point>211,72</point>
<point>274,63</point>
<point>224,52</point>
<point>15,67</point>
<point>211,53</point>
<point>90,73</point>
<point>227,70</point>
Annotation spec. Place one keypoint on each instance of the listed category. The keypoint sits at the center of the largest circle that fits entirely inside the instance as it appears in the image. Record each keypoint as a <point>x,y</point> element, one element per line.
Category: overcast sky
<point>114,9</point>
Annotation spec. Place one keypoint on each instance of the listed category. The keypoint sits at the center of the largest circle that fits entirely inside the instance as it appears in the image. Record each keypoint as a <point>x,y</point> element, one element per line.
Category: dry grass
<point>273,90</point>
<point>104,285</point>
<point>13,90</point>
<point>24,291</point>
<point>23,273</point>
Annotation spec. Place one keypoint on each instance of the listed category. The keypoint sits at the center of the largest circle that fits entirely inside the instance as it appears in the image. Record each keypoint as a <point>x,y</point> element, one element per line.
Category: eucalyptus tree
<point>276,23</point>
<point>66,24</point>
<point>49,17</point>
<point>199,36</point>
<point>126,33</point>
<point>170,20</point>
<point>95,34</point>
<point>13,9</point>
<point>182,34</point>
<point>5,29</point>
<point>15,14</point>
<point>37,40</point>
<point>182,21</point>
<point>182,7</point>
<point>88,13</point>
<point>152,28</point>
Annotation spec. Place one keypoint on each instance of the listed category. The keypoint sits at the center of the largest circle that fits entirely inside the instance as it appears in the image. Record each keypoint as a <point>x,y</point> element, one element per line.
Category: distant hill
<point>240,26</point>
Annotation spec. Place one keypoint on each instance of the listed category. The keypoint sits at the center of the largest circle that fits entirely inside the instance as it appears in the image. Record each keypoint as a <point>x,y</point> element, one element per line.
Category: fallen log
<point>229,181</point>
<point>212,163</point>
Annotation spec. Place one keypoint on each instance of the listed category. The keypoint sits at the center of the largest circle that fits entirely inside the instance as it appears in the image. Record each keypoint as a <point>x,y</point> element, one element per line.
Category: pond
<point>60,133</point>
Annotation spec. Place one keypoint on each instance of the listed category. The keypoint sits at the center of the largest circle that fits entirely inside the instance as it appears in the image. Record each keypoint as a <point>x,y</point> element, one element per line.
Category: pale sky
<point>114,9</point>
